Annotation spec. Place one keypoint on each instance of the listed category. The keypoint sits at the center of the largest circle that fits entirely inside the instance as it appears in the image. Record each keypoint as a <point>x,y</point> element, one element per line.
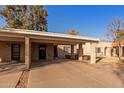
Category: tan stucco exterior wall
<point>50,52</point>
<point>106,48</point>
<point>5,51</point>
<point>62,53</point>
<point>102,45</point>
<point>34,52</point>
<point>86,49</point>
<point>22,52</point>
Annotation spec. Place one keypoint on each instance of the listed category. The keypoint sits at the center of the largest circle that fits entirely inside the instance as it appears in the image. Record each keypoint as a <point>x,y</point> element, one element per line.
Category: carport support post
<point>27,52</point>
<point>72,52</point>
<point>114,52</point>
<point>92,53</point>
<point>120,51</point>
<point>80,52</point>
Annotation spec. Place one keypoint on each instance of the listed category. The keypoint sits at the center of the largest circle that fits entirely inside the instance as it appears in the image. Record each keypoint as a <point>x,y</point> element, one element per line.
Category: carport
<point>29,40</point>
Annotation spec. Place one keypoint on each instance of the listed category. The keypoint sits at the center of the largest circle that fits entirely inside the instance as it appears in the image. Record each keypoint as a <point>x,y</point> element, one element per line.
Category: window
<point>15,52</point>
<point>66,49</point>
<point>55,51</point>
<point>98,49</point>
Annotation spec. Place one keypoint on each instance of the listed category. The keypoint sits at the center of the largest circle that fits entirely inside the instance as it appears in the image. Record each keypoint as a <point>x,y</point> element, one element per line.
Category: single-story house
<point>30,46</point>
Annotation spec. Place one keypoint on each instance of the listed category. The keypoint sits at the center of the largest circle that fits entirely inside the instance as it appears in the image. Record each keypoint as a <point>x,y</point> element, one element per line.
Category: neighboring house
<point>118,47</point>
<point>20,45</point>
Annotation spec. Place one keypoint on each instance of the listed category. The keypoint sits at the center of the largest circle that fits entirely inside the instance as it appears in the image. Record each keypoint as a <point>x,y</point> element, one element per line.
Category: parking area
<point>70,73</point>
<point>9,80</point>
<point>62,73</point>
<point>9,67</point>
<point>10,74</point>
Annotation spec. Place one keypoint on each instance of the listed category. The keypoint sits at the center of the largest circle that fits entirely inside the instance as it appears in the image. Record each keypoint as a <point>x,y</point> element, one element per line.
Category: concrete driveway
<point>72,74</point>
<point>10,74</point>
<point>9,80</point>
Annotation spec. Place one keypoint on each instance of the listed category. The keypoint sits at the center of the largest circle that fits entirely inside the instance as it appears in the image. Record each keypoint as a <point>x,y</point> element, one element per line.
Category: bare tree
<point>113,27</point>
<point>115,32</point>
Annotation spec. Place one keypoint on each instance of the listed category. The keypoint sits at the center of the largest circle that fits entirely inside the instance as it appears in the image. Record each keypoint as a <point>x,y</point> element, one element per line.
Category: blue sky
<point>88,20</point>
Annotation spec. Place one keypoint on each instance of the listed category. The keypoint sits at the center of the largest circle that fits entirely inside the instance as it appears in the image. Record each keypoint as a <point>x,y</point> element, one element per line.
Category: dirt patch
<point>23,80</point>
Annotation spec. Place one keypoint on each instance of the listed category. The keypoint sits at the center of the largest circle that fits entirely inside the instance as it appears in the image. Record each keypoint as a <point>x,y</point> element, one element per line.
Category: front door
<point>55,52</point>
<point>42,52</point>
<point>122,51</point>
<point>15,52</point>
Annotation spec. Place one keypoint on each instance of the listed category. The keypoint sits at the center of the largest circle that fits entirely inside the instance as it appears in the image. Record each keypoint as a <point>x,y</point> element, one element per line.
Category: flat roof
<point>43,33</point>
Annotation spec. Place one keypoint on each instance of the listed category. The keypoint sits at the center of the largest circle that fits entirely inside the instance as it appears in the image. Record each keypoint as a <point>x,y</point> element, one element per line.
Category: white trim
<point>51,34</point>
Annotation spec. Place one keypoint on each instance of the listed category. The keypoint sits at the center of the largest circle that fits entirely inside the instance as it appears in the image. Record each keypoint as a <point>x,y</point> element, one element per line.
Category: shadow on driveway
<point>119,71</point>
<point>35,65</point>
<point>6,68</point>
